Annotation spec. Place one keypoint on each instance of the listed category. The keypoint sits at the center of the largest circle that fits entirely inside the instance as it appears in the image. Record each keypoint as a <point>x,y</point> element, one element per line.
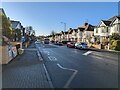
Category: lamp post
<point>64,26</point>
<point>64,29</point>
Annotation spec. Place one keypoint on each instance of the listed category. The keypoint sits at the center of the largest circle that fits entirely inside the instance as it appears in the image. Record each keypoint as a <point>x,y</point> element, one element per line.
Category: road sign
<point>23,39</point>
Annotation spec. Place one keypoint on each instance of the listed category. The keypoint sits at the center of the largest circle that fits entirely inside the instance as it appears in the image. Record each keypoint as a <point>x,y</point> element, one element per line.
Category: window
<point>102,30</point>
<point>107,29</point>
<point>96,30</point>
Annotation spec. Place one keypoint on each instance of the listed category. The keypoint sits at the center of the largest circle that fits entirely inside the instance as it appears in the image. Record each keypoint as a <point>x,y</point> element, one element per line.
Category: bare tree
<point>53,34</point>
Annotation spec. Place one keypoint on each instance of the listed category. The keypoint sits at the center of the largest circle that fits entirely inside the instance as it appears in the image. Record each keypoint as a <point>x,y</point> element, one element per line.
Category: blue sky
<point>46,16</point>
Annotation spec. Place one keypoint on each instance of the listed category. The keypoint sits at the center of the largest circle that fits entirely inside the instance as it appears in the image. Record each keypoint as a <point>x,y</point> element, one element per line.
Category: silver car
<point>81,45</point>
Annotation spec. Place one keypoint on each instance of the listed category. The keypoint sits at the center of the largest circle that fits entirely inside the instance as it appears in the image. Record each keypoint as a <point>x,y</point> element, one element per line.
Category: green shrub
<point>115,45</point>
<point>115,36</point>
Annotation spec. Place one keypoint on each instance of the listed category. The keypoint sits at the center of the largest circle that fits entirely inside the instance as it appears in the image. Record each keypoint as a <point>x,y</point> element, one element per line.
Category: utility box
<point>20,51</point>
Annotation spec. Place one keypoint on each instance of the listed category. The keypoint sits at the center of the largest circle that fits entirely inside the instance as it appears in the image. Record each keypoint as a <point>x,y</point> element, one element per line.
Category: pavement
<point>25,71</point>
<point>110,54</point>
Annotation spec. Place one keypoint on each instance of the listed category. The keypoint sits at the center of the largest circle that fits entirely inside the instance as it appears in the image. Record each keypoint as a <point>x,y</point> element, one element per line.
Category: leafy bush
<point>115,36</point>
<point>115,45</point>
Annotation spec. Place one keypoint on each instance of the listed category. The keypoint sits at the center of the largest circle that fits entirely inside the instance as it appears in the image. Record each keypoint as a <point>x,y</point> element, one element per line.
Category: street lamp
<point>64,29</point>
<point>64,26</point>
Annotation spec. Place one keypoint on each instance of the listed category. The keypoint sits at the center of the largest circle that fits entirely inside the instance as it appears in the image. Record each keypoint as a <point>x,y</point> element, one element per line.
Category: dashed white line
<point>87,53</point>
<point>71,78</point>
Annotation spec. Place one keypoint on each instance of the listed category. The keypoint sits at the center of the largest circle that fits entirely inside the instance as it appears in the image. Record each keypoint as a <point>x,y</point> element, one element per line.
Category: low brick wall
<point>5,57</point>
<point>16,43</point>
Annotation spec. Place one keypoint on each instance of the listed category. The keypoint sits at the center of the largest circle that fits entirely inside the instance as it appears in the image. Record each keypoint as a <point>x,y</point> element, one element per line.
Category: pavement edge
<point>46,71</point>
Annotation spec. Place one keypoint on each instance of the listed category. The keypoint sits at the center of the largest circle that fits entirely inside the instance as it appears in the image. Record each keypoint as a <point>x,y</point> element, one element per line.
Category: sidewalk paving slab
<point>25,71</point>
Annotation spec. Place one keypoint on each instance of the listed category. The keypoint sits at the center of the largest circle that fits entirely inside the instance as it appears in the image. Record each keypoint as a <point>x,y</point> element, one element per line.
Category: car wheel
<point>80,47</point>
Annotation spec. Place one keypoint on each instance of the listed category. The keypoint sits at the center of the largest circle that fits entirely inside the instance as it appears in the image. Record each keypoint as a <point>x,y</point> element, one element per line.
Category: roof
<point>2,11</point>
<point>15,23</point>
<point>75,30</point>
<point>58,34</point>
<point>89,27</point>
<point>70,30</point>
<point>106,22</point>
<point>111,19</point>
<point>82,27</point>
<point>66,32</point>
<point>61,32</point>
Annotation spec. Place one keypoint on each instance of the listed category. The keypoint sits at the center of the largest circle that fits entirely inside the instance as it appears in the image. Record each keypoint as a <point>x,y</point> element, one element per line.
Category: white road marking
<point>48,76</point>
<point>87,53</point>
<point>55,58</point>
<point>51,58</point>
<point>40,58</point>
<point>71,78</point>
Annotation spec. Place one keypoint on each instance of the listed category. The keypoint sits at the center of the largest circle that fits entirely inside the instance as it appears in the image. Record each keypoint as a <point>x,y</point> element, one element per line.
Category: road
<point>73,68</point>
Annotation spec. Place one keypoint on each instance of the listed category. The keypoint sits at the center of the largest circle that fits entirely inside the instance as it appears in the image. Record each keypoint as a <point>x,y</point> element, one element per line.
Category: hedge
<point>115,45</point>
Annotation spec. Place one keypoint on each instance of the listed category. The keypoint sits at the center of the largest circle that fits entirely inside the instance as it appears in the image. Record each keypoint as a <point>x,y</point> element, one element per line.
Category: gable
<point>115,21</point>
<point>101,24</point>
<point>18,26</point>
<point>89,28</point>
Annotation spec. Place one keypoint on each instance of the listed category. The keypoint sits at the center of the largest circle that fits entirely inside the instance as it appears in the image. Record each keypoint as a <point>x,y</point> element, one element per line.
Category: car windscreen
<point>83,44</point>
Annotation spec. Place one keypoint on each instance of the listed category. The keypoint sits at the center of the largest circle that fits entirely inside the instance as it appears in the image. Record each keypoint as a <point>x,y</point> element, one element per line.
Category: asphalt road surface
<point>73,68</point>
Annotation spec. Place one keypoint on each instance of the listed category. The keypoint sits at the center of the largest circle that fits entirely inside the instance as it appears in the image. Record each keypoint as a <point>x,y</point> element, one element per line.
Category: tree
<point>16,34</point>
<point>53,35</point>
<point>6,27</point>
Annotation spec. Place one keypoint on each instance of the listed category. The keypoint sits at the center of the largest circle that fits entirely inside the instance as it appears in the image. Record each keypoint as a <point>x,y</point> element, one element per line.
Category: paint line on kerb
<point>72,76</point>
<point>87,53</point>
<point>39,56</point>
<point>48,77</point>
<point>46,72</point>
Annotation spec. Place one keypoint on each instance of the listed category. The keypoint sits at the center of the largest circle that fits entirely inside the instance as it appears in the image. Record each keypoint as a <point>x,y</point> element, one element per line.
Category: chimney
<point>85,24</point>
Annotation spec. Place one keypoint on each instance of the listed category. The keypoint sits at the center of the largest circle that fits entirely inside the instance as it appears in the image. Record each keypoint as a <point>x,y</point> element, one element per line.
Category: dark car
<point>71,44</point>
<point>46,41</point>
<point>59,43</point>
<point>65,42</point>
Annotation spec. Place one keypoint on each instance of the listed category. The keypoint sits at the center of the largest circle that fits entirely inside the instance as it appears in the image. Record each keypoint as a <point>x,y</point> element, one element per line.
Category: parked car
<point>71,44</point>
<point>81,45</point>
<point>59,43</point>
<point>37,41</point>
<point>65,42</point>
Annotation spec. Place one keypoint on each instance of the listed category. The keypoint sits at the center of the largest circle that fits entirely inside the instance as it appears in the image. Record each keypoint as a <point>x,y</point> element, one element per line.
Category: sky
<point>47,16</point>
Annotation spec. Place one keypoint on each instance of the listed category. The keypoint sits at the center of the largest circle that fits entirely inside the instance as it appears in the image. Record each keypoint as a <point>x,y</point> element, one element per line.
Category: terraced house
<point>91,34</point>
<point>82,34</point>
<point>57,37</point>
<point>17,30</point>
<point>106,28</point>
